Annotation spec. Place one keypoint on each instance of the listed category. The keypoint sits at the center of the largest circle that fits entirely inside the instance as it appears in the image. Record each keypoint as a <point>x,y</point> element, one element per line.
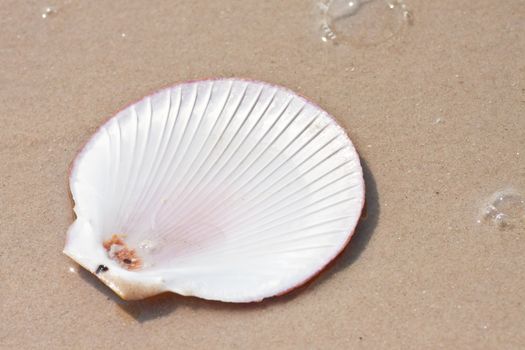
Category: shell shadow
<point>141,310</point>
<point>164,304</point>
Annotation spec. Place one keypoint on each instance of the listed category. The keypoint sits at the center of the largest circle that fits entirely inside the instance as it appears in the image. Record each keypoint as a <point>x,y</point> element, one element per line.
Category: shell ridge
<point>230,119</point>
<point>188,147</point>
<point>192,216</point>
<point>294,250</point>
<point>259,171</point>
<point>129,173</point>
<point>286,185</point>
<point>277,222</point>
<point>162,234</point>
<point>272,185</point>
<point>275,239</point>
<point>110,166</point>
<point>255,233</point>
<point>134,195</point>
<point>176,162</point>
<point>155,163</point>
<point>191,141</point>
<point>304,237</point>
<point>208,138</point>
<point>280,209</point>
<point>301,209</point>
<point>118,159</point>
<point>279,167</point>
<point>298,191</point>
<point>241,143</point>
<point>160,183</point>
<point>234,179</point>
<point>258,119</point>
<point>226,188</point>
<point>276,209</point>
<point>234,248</point>
<point>182,199</point>
<point>187,193</point>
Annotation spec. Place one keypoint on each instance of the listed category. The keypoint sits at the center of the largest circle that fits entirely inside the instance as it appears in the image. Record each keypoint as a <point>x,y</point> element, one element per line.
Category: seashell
<point>226,189</point>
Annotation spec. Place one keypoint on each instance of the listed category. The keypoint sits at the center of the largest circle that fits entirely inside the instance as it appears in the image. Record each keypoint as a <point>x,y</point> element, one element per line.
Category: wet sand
<point>437,114</point>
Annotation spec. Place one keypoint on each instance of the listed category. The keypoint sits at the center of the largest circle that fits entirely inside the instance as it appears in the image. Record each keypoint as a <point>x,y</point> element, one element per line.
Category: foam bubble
<point>504,209</point>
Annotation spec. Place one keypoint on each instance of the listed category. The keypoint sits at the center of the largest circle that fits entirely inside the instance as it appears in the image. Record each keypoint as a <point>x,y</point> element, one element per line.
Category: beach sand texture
<point>437,114</point>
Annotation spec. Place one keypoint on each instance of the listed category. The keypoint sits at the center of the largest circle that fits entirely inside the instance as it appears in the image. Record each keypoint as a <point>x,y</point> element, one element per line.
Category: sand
<point>437,114</point>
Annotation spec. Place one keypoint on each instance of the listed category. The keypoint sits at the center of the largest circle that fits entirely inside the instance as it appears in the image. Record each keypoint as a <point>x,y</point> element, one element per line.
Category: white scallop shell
<point>228,190</point>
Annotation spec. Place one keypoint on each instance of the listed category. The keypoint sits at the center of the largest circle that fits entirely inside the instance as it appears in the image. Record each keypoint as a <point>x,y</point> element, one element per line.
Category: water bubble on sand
<point>408,16</point>
<point>504,209</point>
<point>342,8</point>
<point>362,22</point>
<point>327,34</point>
<point>49,11</point>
